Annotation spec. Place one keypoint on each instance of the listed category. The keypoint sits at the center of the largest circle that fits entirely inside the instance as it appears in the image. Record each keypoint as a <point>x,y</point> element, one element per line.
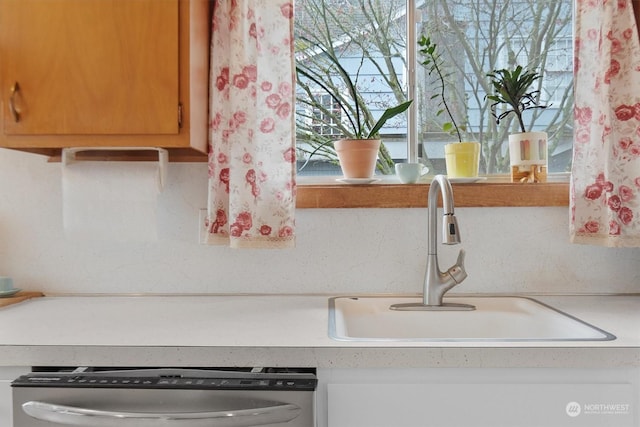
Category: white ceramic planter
<point>528,156</point>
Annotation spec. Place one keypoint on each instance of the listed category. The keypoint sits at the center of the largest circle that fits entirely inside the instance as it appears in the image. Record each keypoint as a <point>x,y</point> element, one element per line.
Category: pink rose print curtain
<point>252,144</point>
<point>605,181</point>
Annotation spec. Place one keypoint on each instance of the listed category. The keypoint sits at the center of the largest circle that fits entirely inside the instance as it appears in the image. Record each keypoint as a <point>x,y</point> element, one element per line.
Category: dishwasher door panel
<point>120,407</point>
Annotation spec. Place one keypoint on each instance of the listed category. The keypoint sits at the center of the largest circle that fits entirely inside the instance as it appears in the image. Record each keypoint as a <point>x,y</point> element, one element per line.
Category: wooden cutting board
<point>19,297</point>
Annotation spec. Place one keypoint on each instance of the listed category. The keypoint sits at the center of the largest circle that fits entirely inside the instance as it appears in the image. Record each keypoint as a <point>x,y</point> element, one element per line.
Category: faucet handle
<point>457,272</point>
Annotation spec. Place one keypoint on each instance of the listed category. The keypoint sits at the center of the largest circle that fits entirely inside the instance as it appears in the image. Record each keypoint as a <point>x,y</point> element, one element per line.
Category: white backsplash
<point>524,250</point>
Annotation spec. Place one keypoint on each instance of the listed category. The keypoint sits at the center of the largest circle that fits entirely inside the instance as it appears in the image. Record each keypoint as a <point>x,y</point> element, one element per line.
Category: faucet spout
<point>436,282</point>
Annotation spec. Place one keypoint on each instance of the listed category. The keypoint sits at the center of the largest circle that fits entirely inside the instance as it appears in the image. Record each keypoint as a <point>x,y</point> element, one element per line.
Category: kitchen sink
<point>494,319</point>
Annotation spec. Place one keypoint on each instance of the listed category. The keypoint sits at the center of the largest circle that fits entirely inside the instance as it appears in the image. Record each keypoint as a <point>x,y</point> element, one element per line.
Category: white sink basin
<point>495,319</point>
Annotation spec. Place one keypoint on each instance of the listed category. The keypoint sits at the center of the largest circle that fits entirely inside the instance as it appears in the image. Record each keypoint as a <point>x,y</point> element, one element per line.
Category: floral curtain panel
<point>605,181</point>
<point>252,183</point>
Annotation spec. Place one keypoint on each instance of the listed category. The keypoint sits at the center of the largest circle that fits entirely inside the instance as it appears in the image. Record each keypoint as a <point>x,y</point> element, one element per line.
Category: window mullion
<point>411,51</point>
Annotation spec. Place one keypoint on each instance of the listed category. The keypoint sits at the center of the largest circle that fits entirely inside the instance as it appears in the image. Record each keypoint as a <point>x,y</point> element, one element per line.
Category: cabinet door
<point>8,374</point>
<point>461,397</point>
<point>89,67</point>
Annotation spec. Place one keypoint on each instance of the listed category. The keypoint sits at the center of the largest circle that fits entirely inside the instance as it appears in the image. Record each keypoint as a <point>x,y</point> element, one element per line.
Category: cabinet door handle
<point>15,112</point>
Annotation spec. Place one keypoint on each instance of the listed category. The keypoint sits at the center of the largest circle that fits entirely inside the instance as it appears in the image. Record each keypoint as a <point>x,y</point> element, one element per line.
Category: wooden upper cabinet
<point>106,73</point>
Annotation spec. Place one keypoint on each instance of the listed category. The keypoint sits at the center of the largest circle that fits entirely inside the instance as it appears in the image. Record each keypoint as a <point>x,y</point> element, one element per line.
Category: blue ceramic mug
<point>6,284</point>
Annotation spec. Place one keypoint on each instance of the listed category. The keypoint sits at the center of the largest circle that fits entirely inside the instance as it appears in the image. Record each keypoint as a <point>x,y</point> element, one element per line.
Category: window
<point>325,115</point>
<point>370,38</point>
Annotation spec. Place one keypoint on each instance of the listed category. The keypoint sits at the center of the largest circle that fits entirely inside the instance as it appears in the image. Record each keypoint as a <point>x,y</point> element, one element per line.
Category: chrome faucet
<point>436,282</point>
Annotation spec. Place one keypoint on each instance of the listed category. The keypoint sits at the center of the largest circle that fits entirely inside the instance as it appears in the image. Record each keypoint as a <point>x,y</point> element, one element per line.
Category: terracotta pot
<point>462,159</point>
<point>357,157</point>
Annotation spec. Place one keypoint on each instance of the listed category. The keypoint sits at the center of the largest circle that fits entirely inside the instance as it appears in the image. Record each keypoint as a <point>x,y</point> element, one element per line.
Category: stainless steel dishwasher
<point>211,397</point>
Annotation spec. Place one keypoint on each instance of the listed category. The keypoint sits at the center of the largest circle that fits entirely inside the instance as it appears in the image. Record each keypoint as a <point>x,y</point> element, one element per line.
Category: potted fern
<point>527,149</point>
<point>463,157</point>
<point>358,150</point>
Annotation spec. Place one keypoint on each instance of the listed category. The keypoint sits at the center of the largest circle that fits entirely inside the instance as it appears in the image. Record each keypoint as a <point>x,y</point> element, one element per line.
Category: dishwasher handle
<point>276,412</point>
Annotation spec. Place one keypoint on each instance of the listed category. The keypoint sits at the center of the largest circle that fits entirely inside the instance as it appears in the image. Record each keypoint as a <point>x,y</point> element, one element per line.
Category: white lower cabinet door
<point>8,374</point>
<point>506,400</point>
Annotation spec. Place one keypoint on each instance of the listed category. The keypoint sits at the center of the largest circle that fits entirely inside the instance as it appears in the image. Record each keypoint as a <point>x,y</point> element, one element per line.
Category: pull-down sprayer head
<point>450,232</point>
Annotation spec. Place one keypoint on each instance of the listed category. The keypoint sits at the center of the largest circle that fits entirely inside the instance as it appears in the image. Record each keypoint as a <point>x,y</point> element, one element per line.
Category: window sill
<point>491,193</point>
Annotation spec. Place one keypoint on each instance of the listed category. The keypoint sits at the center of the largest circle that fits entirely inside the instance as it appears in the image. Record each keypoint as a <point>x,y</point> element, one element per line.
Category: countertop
<point>277,330</point>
